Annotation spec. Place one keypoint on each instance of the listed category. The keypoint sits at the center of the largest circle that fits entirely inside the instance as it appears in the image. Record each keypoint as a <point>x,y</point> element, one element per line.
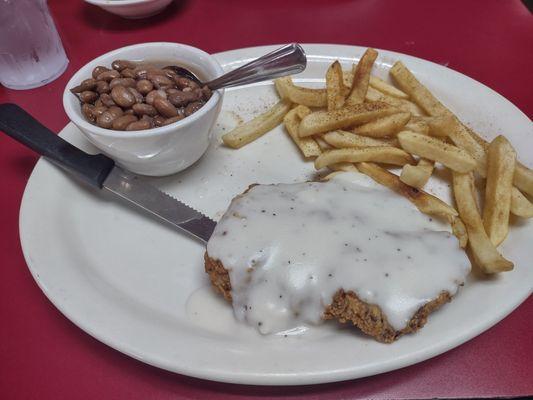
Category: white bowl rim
<point>117,3</point>
<point>78,119</point>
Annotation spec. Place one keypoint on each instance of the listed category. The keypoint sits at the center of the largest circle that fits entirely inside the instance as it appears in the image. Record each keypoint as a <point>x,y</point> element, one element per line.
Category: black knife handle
<point>22,127</point>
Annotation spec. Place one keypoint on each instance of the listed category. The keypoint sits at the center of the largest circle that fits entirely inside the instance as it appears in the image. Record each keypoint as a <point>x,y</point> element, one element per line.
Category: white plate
<point>139,287</point>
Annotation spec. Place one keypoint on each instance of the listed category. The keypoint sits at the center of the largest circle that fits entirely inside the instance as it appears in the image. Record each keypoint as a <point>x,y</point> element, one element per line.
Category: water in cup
<point>31,53</point>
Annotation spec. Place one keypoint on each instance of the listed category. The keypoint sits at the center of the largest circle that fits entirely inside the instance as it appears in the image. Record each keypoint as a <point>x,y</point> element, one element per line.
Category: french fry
<point>501,159</point>
<point>417,175</point>
<point>280,84</point>
<point>302,111</point>
<point>523,176</point>
<point>483,251</point>
<point>376,83</point>
<point>257,127</point>
<point>347,78</point>
<point>440,126</point>
<point>459,230</point>
<point>461,137</point>
<point>307,146</point>
<point>386,88</point>
<point>431,148</point>
<point>332,175</point>
<point>322,144</point>
<point>300,95</point>
<point>418,92</point>
<point>334,87</point>
<point>325,121</point>
<point>520,205</point>
<point>402,104</point>
<point>417,125</point>
<point>481,141</point>
<point>425,202</point>
<point>340,139</point>
<point>383,127</point>
<point>343,167</point>
<point>361,77</point>
<point>388,155</point>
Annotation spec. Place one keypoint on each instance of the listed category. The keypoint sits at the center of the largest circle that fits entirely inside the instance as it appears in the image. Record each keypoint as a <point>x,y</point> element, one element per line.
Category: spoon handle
<point>286,60</point>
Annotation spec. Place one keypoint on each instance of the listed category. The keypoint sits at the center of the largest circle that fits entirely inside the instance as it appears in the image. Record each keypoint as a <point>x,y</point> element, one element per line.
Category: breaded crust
<point>346,307</point>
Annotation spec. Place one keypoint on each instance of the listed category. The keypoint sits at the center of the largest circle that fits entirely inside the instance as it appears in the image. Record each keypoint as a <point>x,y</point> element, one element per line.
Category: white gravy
<point>290,247</point>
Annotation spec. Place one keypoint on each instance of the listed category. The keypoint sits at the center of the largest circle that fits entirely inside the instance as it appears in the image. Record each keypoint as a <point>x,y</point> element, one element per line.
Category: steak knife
<point>101,172</point>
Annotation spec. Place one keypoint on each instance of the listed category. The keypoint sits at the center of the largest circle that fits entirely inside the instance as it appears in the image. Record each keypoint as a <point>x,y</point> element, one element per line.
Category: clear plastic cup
<point>31,52</point>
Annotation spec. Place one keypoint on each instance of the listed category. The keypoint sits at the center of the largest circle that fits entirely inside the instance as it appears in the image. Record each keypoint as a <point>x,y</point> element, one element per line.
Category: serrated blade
<point>140,193</point>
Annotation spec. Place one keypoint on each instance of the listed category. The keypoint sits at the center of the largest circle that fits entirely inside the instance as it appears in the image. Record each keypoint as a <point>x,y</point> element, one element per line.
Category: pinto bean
<point>115,111</point>
<point>139,125</point>
<point>126,82</point>
<point>105,120</point>
<point>193,107</point>
<point>138,97</point>
<point>88,96</point>
<point>121,65</point>
<point>181,99</point>
<point>182,83</point>
<point>144,86</point>
<point>98,70</point>
<point>159,120</point>
<point>102,87</point>
<point>87,84</point>
<point>123,121</point>
<point>127,73</point>
<point>159,81</point>
<point>98,110</point>
<point>169,121</point>
<point>165,107</point>
<point>88,112</point>
<point>150,97</point>
<point>122,96</point>
<point>108,76</point>
<point>144,109</point>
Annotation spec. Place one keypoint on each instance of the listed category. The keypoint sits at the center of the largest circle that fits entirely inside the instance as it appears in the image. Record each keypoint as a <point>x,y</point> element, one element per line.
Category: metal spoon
<point>286,60</point>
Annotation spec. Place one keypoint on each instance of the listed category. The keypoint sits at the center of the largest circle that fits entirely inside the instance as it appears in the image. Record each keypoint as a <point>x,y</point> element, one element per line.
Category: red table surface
<point>43,355</point>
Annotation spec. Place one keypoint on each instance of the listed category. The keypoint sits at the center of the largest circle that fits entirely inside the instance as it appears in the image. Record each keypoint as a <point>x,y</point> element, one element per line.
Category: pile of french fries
<point>362,123</point>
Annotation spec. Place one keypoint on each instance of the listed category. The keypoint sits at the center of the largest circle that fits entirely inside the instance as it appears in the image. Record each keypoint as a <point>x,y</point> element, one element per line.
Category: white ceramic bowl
<point>159,151</point>
<point>132,8</point>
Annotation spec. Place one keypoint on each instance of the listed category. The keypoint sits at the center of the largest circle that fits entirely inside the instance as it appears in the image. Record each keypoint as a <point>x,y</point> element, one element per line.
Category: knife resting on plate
<point>101,172</point>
